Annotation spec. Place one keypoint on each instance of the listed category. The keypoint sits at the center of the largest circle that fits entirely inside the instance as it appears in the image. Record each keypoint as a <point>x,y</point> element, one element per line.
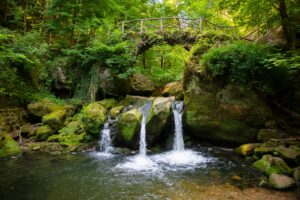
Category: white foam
<point>181,158</point>
<point>138,163</point>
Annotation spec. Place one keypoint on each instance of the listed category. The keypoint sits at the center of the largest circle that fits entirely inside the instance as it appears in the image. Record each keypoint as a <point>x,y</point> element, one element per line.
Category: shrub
<point>247,64</point>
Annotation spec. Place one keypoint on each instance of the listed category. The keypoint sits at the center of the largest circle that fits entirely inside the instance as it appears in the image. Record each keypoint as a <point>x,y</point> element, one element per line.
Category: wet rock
<point>281,182</point>
<point>8,146</point>
<point>247,149</point>
<point>128,126</point>
<point>114,112</point>
<point>42,133</point>
<point>141,85</point>
<point>265,135</point>
<point>269,165</point>
<point>158,118</point>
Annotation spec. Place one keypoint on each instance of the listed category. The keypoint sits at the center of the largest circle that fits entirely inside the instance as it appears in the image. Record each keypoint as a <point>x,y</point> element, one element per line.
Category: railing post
<point>161,24</point>
<point>201,25</point>
<point>142,26</point>
<point>123,26</point>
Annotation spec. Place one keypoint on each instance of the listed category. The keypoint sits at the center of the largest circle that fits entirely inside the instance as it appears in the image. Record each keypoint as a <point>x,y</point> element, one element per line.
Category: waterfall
<point>105,142</point>
<point>143,145</point>
<point>177,108</point>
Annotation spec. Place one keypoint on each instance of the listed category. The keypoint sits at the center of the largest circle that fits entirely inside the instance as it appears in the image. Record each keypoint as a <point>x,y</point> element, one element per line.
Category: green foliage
<point>162,63</point>
<point>247,64</point>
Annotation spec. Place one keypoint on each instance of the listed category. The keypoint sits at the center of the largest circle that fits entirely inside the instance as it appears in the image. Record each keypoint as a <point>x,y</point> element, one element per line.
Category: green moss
<point>269,164</point>
<point>43,132</point>
<point>8,146</point>
<point>55,119</point>
<point>43,107</point>
<point>128,125</point>
<point>114,112</point>
<point>93,117</point>
<point>72,141</point>
<point>108,103</point>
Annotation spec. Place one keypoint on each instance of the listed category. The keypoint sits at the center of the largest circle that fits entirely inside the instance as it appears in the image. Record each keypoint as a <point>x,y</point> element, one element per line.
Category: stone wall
<point>10,119</point>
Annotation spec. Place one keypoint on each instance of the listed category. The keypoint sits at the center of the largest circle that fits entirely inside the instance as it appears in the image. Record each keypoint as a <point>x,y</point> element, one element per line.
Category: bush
<point>247,64</point>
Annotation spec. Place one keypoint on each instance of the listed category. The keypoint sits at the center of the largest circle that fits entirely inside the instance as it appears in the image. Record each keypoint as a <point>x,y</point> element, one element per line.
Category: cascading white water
<point>105,142</point>
<point>143,145</point>
<point>177,108</point>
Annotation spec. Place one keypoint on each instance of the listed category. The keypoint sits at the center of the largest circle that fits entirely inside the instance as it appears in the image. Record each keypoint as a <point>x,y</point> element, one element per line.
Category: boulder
<point>141,85</point>
<point>8,146</point>
<point>55,119</point>
<point>247,149</point>
<point>43,107</point>
<point>281,182</point>
<point>108,103</point>
<point>42,133</point>
<point>288,154</point>
<point>114,112</point>
<point>173,89</point>
<point>229,116</point>
<point>128,127</point>
<point>269,165</point>
<point>158,118</point>
<point>265,135</point>
<point>262,150</point>
<point>93,117</point>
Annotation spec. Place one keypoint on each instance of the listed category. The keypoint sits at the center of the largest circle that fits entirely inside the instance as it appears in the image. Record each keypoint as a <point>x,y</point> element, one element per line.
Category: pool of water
<point>100,176</point>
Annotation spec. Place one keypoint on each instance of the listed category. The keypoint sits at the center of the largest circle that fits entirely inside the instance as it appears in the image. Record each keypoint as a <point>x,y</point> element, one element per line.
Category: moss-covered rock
<point>55,119</point>
<point>8,146</point>
<point>247,149</point>
<point>259,151</point>
<point>73,141</point>
<point>281,182</point>
<point>43,107</point>
<point>269,165</point>
<point>265,135</point>
<point>114,112</point>
<point>287,154</point>
<point>93,117</point>
<point>158,118</point>
<point>232,115</point>
<point>42,133</point>
<point>108,103</point>
<point>128,127</point>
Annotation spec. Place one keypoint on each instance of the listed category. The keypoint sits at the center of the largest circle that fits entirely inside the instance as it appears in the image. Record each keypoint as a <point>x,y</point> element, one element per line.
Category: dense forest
<point>150,99</point>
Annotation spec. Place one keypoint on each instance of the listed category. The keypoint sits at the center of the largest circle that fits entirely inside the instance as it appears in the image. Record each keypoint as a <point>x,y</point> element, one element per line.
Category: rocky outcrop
<point>232,115</point>
<point>141,85</point>
<point>8,146</point>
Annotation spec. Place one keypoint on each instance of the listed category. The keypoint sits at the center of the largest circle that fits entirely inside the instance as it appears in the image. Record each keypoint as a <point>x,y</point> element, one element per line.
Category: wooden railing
<point>174,23</point>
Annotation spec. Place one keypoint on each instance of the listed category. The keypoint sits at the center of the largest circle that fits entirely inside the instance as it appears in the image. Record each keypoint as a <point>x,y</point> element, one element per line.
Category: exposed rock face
<point>232,115</point>
<point>281,182</point>
<point>141,85</point>
<point>269,165</point>
<point>265,135</point>
<point>8,146</point>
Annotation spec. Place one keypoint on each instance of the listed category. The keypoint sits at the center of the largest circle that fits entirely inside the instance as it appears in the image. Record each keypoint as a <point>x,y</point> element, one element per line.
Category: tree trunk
<point>289,35</point>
